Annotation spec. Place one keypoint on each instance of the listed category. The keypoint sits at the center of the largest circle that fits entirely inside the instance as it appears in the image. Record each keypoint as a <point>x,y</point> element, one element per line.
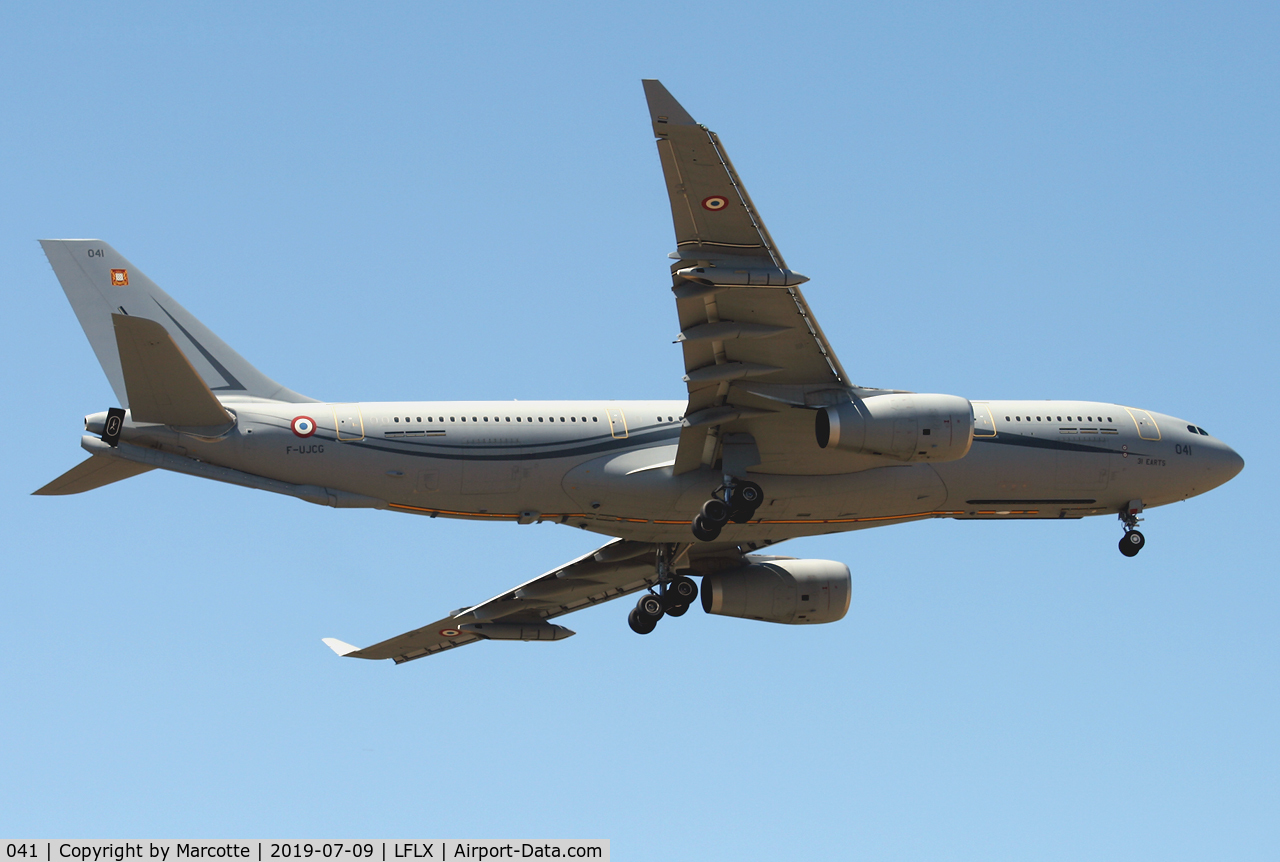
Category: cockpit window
<point>1192,429</point>
<point>1202,431</point>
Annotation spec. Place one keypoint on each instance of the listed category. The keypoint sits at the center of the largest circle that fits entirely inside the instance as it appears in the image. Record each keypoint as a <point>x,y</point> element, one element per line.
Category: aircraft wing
<point>752,347</point>
<point>522,613</point>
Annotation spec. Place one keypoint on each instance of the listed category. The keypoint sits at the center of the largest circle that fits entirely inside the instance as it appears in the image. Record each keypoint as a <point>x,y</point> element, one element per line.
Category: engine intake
<point>794,592</point>
<point>905,427</point>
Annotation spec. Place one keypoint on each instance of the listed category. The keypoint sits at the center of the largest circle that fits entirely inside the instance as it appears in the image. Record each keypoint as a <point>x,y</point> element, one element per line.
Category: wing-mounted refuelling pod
<point>728,275</point>
<point>902,426</point>
<point>517,631</point>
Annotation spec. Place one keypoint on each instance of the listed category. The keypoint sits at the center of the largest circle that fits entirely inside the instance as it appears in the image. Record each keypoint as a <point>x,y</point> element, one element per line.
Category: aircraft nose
<point>1226,464</point>
<point>1234,463</point>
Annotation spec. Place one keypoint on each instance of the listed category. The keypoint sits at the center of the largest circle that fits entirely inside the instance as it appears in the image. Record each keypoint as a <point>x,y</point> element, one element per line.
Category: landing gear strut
<point>675,594</point>
<point>733,501</point>
<point>1132,541</point>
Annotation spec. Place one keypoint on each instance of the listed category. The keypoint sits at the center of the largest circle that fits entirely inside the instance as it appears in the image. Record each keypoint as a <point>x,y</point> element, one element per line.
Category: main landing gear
<point>732,501</point>
<point>675,594</point>
<point>1132,541</point>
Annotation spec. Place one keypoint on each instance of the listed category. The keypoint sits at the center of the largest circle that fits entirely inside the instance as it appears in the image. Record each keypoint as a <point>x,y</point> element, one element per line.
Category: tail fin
<point>99,282</point>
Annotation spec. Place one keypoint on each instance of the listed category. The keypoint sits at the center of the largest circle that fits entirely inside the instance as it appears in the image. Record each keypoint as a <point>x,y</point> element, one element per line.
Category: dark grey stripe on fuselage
<point>1044,443</point>
<point>608,444</point>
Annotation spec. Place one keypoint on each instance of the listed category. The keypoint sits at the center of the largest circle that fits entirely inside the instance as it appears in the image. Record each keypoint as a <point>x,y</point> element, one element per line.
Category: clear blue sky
<point>448,201</point>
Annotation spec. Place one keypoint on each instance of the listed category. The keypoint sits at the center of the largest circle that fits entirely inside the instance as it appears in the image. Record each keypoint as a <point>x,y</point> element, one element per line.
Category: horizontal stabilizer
<point>340,647</point>
<point>162,385</point>
<point>99,470</point>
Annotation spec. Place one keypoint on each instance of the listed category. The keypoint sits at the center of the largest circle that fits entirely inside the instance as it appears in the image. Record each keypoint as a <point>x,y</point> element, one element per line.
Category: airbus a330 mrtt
<point>773,442</point>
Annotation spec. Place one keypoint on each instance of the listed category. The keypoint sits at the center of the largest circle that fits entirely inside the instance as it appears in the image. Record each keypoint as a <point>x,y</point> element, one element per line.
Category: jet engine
<point>797,592</point>
<point>905,427</point>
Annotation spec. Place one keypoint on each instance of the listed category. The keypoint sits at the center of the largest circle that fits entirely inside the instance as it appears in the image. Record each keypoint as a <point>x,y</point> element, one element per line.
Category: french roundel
<point>715,203</point>
<point>450,633</point>
<point>303,426</point>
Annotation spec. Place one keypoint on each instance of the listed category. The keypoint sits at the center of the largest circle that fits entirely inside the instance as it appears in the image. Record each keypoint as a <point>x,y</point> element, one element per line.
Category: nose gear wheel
<point>1131,543</point>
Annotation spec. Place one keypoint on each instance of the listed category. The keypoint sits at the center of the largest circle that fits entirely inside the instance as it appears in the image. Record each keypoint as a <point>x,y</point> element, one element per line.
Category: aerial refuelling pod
<point>905,427</point>
<point>711,274</point>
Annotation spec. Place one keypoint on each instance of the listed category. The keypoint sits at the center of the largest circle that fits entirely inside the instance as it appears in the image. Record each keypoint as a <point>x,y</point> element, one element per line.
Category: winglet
<point>339,647</point>
<point>663,107</point>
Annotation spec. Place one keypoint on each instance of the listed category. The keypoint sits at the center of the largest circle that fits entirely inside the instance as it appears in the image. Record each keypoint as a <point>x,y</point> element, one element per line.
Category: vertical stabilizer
<point>99,282</point>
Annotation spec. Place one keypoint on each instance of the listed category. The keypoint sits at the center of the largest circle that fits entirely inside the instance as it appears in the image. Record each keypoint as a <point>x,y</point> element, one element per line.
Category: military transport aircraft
<point>774,441</point>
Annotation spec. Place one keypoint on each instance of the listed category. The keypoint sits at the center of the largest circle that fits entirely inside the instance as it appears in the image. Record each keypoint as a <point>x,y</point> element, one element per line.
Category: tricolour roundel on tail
<point>99,282</point>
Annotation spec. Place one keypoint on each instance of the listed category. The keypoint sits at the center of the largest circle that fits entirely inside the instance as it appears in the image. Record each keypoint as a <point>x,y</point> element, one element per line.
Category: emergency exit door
<point>617,422</point>
<point>349,422</point>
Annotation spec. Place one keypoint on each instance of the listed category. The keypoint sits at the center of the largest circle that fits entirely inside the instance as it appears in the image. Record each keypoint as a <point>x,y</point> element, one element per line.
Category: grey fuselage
<point>606,466</point>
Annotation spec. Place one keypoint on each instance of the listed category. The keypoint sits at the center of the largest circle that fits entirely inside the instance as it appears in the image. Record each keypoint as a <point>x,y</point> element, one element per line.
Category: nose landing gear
<point>675,594</point>
<point>1132,541</point>
<point>733,501</point>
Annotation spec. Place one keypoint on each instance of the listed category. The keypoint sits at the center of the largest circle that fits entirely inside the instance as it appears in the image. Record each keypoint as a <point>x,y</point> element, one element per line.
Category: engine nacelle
<point>906,427</point>
<point>796,592</point>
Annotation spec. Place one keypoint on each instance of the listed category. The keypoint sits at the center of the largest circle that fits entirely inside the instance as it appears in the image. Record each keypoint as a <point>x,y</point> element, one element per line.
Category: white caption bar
<point>307,851</point>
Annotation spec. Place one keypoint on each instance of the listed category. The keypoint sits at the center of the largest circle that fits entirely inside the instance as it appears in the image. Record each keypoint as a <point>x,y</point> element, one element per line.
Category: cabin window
<point>539,418</point>
<point>397,419</point>
<point>595,418</point>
